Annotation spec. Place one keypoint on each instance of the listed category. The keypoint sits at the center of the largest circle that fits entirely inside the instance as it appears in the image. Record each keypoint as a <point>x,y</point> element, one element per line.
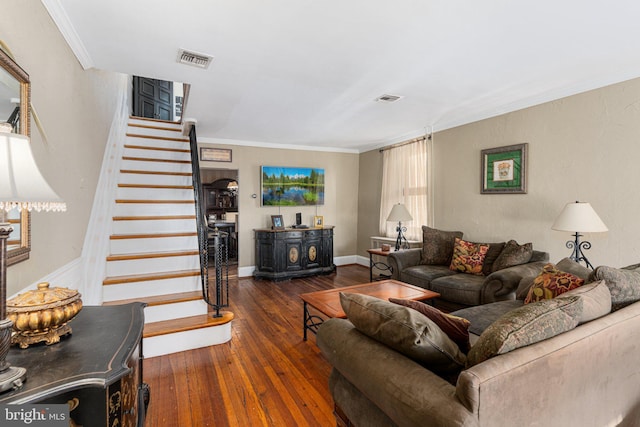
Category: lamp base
<point>12,378</point>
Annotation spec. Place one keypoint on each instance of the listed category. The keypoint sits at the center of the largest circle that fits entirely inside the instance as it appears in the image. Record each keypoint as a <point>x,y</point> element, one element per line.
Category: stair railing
<point>210,242</point>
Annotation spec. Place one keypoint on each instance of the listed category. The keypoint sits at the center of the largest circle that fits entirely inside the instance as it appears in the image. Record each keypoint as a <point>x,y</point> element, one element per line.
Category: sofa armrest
<point>405,391</point>
<point>501,285</point>
<point>400,260</point>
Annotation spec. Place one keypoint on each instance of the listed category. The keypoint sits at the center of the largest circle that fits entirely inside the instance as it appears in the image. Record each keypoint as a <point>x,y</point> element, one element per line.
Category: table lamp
<point>398,214</point>
<point>579,217</point>
<point>23,187</point>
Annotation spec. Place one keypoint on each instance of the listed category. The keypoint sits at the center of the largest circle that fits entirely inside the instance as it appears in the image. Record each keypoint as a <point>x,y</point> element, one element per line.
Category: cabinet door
<point>313,249</point>
<point>293,254</point>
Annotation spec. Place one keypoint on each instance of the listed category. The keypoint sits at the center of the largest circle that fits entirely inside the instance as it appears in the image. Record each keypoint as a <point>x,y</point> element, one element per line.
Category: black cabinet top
<point>95,355</point>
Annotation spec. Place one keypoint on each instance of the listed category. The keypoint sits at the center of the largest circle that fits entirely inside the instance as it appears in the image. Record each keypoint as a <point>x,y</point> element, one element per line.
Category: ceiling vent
<point>388,98</point>
<point>195,59</point>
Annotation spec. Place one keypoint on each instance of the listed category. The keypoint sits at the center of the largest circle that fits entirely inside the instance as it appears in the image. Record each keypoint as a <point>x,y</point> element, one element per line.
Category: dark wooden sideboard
<point>98,367</point>
<point>293,252</point>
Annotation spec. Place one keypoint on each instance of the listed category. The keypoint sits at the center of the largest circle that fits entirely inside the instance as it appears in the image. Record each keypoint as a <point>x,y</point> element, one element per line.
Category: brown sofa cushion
<point>495,249</point>
<point>526,325</point>
<point>455,327</point>
<point>468,257</point>
<point>550,283</point>
<point>437,245</point>
<point>404,330</point>
<point>513,254</point>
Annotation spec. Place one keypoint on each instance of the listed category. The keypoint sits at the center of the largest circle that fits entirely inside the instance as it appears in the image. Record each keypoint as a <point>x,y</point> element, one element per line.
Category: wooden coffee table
<point>328,302</point>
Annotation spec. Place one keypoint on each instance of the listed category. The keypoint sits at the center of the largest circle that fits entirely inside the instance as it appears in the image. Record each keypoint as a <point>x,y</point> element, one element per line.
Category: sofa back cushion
<point>513,254</point>
<point>526,325</point>
<point>404,330</point>
<point>623,283</point>
<point>437,245</point>
<point>596,300</point>
<point>495,249</point>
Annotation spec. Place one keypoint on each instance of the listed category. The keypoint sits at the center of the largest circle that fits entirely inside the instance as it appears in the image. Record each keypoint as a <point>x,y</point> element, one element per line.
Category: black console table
<point>289,253</point>
<point>98,368</point>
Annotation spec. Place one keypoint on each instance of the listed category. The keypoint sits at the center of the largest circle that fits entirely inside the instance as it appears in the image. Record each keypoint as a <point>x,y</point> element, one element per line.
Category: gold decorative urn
<point>43,314</point>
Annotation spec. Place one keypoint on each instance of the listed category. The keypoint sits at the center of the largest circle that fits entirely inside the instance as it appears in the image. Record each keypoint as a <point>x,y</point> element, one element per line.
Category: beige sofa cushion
<point>526,325</point>
<point>404,330</point>
<point>623,283</point>
<point>596,300</point>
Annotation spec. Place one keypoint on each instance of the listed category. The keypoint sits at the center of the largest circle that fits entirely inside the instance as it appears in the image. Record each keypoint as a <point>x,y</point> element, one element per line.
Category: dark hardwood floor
<point>265,376</point>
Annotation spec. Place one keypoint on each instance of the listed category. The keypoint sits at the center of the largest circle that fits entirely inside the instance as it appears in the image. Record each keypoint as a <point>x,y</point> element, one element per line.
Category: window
<point>405,179</point>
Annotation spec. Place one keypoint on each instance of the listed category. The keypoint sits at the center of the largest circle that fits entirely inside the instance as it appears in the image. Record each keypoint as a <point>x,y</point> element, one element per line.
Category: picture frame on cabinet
<point>277,223</point>
<point>318,221</point>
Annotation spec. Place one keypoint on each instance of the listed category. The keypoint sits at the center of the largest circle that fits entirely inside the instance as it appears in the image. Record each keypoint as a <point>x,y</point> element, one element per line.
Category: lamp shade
<point>579,217</point>
<point>399,213</point>
<point>21,183</point>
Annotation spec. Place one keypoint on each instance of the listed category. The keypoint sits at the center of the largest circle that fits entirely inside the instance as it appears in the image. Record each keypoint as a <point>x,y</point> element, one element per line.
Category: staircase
<point>154,254</point>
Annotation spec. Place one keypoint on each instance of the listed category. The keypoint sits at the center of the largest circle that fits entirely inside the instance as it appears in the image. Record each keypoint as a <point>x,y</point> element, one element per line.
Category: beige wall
<point>76,108</point>
<point>341,194</point>
<point>369,199</point>
<point>585,147</point>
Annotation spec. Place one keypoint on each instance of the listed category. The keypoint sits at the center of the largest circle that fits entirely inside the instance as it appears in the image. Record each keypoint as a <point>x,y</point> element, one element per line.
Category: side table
<point>380,265</point>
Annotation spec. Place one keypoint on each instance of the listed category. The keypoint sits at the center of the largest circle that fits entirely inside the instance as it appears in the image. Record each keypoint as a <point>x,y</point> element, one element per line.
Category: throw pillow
<point>623,284</point>
<point>596,300</point>
<point>526,325</point>
<point>404,330</point>
<point>456,328</point>
<point>468,257</point>
<point>495,249</point>
<point>550,283</point>
<point>437,245</point>
<point>513,254</point>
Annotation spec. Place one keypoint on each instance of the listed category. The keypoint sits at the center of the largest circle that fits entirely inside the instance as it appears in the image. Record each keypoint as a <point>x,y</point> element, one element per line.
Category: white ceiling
<point>306,72</point>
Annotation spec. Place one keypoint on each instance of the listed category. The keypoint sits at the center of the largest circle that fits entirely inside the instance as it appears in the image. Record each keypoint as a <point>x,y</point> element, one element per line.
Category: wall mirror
<point>14,109</point>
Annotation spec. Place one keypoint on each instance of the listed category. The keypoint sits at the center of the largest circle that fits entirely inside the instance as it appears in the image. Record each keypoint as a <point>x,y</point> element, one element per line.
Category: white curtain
<point>406,179</point>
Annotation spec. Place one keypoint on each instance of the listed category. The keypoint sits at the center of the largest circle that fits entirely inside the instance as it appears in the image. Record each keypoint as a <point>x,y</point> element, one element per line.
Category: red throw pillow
<point>550,283</point>
<point>468,257</point>
<point>456,328</point>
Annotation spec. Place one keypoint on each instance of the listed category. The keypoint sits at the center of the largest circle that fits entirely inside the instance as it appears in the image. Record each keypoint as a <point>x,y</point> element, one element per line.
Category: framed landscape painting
<point>504,170</point>
<point>292,186</point>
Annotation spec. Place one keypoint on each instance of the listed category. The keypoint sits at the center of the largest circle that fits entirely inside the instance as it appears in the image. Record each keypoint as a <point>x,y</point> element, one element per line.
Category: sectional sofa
<point>571,360</point>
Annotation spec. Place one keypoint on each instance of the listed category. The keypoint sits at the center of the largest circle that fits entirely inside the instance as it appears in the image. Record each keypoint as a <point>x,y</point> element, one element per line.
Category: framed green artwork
<point>504,170</point>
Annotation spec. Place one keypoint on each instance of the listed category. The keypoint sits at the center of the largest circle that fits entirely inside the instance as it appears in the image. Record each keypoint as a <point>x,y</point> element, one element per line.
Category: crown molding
<point>68,31</point>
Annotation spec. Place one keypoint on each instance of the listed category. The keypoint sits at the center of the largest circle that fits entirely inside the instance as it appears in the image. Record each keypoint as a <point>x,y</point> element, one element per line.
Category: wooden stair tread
<point>150,119</point>
<point>153,159</point>
<point>156,300</point>
<point>152,235</point>
<point>143,172</point>
<point>162,138</point>
<point>152,217</point>
<point>116,280</point>
<point>172,187</point>
<point>185,324</point>
<point>175,201</point>
<point>148,255</point>
<point>146,147</point>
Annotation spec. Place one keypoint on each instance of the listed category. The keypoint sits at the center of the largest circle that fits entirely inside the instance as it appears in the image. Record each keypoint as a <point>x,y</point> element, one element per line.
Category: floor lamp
<point>23,187</point>
<point>579,217</point>
<point>399,213</point>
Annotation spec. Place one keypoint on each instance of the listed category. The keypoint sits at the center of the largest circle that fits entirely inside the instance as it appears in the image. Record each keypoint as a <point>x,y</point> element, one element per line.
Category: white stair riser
<point>156,244</point>
<point>156,154</point>
<point>159,313</point>
<point>154,179</point>
<point>154,226</point>
<point>188,340</point>
<point>152,265</point>
<point>143,209</point>
<point>137,121</point>
<point>133,193</point>
<point>155,166</point>
<point>151,288</point>
<point>134,139</point>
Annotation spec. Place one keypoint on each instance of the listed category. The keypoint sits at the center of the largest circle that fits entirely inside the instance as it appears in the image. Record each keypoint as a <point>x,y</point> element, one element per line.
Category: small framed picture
<point>277,223</point>
<point>504,170</point>
<point>215,154</point>
<point>318,221</point>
